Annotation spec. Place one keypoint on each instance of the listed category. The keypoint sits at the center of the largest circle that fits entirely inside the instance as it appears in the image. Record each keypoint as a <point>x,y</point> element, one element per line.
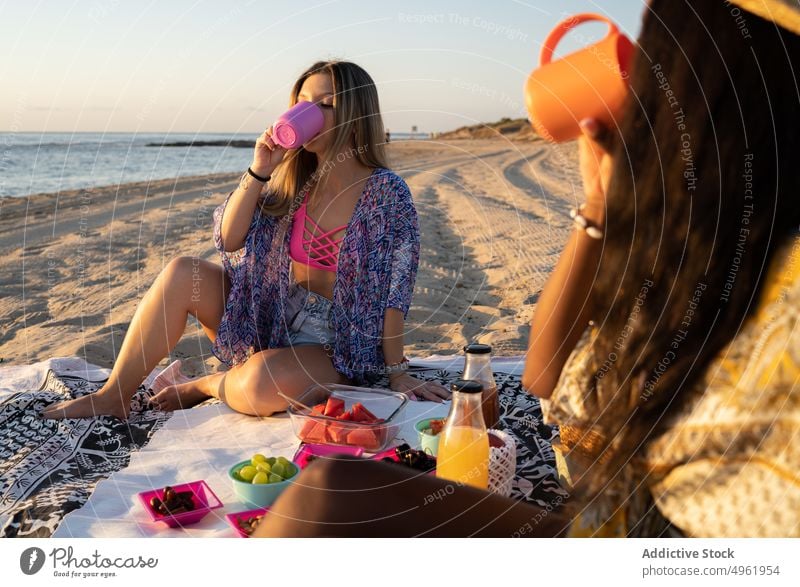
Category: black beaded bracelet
<point>258,177</point>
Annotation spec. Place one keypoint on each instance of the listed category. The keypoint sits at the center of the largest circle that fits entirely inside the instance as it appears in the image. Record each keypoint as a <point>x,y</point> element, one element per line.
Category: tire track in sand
<point>491,233</point>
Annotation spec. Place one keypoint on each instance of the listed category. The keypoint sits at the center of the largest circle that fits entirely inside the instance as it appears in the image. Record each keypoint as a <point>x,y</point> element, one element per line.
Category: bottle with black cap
<point>478,367</point>
<point>463,455</point>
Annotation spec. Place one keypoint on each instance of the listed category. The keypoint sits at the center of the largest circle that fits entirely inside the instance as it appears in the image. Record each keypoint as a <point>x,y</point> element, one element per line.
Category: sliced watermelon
<point>317,434</point>
<point>339,432</point>
<point>308,427</point>
<point>362,414</point>
<point>334,407</point>
<point>365,438</point>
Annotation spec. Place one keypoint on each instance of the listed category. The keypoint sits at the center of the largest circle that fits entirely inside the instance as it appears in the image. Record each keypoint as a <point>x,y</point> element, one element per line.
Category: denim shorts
<point>308,317</point>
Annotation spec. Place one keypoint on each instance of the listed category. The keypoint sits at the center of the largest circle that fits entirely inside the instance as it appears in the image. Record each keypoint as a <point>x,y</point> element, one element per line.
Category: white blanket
<point>202,443</point>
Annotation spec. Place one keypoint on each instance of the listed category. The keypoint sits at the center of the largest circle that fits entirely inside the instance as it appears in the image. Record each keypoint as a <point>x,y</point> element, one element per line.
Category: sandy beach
<point>493,219</point>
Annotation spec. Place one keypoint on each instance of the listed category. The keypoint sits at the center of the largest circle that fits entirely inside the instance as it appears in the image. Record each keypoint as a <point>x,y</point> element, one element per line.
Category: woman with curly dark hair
<point>668,350</point>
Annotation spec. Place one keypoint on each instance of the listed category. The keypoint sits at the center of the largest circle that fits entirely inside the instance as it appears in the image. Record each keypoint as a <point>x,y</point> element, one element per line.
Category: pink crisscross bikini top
<point>311,245</point>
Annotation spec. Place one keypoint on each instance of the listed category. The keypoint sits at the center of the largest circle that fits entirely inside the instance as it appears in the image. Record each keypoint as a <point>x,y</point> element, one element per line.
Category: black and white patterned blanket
<point>49,468</point>
<point>536,480</point>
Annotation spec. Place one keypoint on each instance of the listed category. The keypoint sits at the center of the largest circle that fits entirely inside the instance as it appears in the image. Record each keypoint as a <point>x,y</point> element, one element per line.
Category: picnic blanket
<point>80,477</point>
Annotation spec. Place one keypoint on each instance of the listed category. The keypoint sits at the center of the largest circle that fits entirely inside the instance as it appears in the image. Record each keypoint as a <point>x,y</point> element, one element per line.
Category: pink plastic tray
<point>233,519</point>
<point>203,498</point>
<point>305,451</point>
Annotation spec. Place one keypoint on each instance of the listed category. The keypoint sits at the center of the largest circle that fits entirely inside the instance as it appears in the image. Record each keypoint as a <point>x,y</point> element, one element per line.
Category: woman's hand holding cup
<point>595,166</point>
<point>267,155</point>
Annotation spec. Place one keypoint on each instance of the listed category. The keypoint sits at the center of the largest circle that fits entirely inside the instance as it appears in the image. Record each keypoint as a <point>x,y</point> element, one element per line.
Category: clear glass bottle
<point>478,367</point>
<point>463,454</point>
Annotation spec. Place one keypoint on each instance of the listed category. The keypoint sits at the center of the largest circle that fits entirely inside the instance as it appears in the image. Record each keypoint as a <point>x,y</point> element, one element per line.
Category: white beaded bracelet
<point>582,223</point>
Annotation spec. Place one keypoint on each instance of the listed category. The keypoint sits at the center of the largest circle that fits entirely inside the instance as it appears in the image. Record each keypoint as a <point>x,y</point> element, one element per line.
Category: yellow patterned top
<point>730,465</point>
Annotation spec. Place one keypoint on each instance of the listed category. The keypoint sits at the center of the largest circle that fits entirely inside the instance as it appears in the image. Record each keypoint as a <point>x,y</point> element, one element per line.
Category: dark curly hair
<point>704,190</point>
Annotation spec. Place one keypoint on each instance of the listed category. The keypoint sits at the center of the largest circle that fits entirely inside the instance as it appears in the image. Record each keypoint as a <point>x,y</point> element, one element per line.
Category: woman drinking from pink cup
<point>297,299</point>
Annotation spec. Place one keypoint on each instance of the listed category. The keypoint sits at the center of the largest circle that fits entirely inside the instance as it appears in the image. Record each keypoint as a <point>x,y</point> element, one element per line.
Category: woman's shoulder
<point>782,281</point>
<point>388,184</point>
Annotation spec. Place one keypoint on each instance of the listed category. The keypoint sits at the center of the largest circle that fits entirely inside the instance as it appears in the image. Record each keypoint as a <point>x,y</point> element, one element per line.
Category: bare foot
<point>171,375</point>
<point>89,406</point>
<point>178,397</point>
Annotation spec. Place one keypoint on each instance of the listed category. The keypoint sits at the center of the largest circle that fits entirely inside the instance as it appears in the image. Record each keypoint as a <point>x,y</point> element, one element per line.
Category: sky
<point>201,66</point>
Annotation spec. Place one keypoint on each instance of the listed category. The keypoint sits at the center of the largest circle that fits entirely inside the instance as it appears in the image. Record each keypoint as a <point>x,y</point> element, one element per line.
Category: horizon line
<point>210,132</point>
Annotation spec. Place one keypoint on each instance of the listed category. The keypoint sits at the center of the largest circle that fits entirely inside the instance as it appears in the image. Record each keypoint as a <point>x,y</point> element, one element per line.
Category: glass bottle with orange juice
<point>463,454</point>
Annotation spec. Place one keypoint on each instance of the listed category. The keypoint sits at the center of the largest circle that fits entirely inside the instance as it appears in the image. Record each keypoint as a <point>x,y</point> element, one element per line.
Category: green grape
<point>261,478</point>
<point>273,478</point>
<point>247,473</point>
<point>258,458</point>
<point>271,461</point>
<point>283,461</point>
<point>291,470</point>
<point>279,469</point>
<point>263,467</point>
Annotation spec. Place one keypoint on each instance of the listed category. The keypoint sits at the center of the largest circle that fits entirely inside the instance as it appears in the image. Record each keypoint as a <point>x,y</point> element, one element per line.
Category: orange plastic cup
<point>589,83</point>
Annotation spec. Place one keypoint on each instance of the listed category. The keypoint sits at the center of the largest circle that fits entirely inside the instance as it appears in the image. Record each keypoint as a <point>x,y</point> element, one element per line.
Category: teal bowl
<point>260,495</point>
<point>428,442</point>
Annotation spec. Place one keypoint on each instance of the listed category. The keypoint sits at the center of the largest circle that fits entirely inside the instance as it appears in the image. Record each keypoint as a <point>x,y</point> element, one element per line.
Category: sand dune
<point>493,218</point>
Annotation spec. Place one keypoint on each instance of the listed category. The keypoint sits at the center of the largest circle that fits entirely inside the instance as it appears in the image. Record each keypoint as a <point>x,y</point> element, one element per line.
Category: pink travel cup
<point>298,125</point>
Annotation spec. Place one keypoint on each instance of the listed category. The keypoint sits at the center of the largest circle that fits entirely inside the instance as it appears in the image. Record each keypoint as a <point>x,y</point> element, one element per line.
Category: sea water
<point>33,163</point>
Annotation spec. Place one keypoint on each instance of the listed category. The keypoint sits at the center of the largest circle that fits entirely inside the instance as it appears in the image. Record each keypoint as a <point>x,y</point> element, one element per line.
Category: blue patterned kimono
<point>376,270</point>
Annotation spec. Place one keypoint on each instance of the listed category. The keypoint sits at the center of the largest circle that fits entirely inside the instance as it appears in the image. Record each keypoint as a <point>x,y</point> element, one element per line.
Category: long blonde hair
<point>357,123</point>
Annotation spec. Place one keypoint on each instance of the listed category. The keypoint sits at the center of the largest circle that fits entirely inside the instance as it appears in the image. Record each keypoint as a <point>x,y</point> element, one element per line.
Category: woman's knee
<point>177,273</point>
<point>320,473</point>
<point>297,510</point>
<point>288,371</point>
<point>263,380</point>
<point>328,475</point>
<point>202,285</point>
